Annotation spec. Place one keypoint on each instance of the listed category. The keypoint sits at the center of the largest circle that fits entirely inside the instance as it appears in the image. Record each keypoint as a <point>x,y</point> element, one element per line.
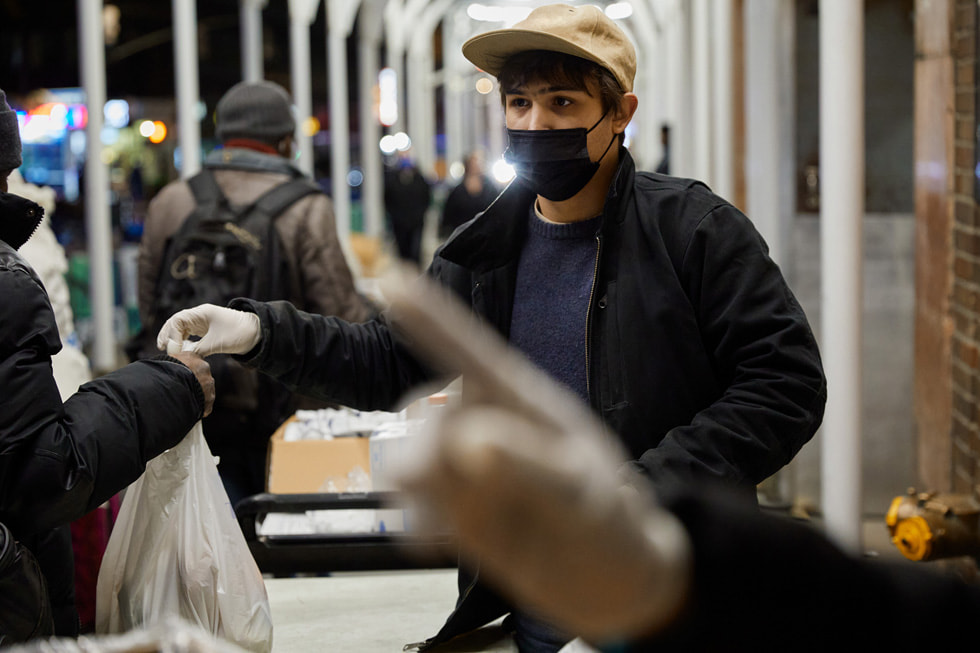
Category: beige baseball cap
<point>583,31</point>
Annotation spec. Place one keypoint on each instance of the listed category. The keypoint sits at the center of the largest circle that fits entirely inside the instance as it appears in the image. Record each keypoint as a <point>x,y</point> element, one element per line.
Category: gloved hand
<point>222,330</point>
<point>533,486</point>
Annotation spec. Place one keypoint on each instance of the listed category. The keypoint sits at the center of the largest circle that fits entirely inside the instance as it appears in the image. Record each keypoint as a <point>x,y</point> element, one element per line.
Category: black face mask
<point>554,163</point>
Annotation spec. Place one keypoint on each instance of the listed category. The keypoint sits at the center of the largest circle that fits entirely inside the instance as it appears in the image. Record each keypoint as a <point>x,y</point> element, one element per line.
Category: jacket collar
<point>494,237</point>
<point>19,218</point>
<point>238,158</point>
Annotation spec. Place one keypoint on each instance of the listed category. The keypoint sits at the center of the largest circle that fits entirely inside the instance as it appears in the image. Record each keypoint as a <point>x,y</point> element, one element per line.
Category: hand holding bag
<point>177,549</point>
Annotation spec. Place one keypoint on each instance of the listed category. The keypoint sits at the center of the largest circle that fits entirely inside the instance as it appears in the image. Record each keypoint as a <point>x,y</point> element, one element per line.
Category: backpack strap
<point>281,197</point>
<point>205,188</point>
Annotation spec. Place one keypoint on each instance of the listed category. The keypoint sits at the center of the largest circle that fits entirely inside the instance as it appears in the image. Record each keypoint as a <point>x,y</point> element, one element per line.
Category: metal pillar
<point>841,219</point>
<point>301,16</point>
<point>188,88</point>
<point>340,18</point>
<point>97,220</point>
<point>250,12</point>
<point>701,83</point>
<point>369,54</point>
<point>723,114</point>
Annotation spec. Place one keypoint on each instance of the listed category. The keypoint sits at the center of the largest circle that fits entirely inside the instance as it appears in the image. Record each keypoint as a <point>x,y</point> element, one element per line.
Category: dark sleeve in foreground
<point>365,365</point>
<point>768,583</point>
<point>61,460</point>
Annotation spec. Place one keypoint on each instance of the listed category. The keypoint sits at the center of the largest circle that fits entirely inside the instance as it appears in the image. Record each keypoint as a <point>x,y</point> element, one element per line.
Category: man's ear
<point>624,112</point>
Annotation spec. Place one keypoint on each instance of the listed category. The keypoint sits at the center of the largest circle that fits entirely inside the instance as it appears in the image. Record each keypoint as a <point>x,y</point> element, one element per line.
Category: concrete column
<point>97,219</point>
<point>301,16</point>
<point>251,35</point>
<point>369,55</point>
<point>841,220</point>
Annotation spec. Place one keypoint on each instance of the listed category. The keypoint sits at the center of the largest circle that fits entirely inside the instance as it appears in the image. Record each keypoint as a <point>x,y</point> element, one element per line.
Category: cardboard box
<point>309,466</point>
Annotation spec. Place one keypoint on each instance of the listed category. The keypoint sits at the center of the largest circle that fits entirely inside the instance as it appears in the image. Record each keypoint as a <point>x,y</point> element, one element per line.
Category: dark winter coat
<point>699,357</point>
<point>59,460</point>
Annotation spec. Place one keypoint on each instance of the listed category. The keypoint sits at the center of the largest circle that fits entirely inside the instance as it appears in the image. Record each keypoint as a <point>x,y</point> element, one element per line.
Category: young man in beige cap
<point>651,298</point>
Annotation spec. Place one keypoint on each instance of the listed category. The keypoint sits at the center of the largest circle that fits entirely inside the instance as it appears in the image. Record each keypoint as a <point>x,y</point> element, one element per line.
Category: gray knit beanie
<point>261,111</point>
<point>9,136</point>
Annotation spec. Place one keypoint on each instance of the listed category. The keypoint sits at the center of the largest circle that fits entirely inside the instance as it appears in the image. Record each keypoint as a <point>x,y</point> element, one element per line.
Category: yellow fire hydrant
<point>930,525</point>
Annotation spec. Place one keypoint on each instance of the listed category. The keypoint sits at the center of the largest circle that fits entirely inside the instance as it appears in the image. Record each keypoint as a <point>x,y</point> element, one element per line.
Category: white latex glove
<point>222,330</point>
<point>532,486</point>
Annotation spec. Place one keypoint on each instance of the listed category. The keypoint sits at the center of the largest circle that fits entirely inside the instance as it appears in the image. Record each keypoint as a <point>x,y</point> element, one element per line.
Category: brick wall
<point>947,321</point>
<point>965,300</point>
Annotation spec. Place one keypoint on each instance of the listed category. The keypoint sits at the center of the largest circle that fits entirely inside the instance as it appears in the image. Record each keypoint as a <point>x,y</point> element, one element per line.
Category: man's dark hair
<point>560,69</point>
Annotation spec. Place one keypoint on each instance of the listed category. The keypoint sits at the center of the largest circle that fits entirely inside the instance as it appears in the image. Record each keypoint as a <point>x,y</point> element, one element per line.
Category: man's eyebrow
<point>522,90</point>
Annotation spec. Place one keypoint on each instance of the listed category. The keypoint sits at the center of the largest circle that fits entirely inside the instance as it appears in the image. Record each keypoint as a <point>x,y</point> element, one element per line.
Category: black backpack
<point>220,252</point>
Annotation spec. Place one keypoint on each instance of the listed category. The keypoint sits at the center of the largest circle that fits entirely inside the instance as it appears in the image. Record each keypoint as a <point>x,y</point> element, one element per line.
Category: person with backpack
<point>61,459</point>
<point>250,224</point>
<point>652,299</point>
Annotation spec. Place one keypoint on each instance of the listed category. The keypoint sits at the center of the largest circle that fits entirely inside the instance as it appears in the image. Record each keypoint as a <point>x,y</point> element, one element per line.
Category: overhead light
<point>497,14</point>
<point>619,10</point>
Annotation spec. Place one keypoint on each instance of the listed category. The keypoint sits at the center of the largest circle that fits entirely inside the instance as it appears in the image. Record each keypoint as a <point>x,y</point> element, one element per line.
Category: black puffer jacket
<point>699,357</point>
<point>60,460</point>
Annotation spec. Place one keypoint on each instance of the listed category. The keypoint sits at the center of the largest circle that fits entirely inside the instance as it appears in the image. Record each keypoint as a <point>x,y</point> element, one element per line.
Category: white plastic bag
<point>177,549</point>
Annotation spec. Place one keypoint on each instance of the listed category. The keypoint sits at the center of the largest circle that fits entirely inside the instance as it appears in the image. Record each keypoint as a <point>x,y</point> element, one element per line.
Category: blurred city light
<point>355,177</point>
<point>311,126</point>
<point>457,169</point>
<point>484,85</point>
<point>116,113</point>
<point>159,132</point>
<point>146,128</point>
<point>502,171</point>
<point>392,143</point>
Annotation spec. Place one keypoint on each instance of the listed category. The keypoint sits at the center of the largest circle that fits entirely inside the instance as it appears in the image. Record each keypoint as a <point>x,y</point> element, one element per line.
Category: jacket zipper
<point>588,320</point>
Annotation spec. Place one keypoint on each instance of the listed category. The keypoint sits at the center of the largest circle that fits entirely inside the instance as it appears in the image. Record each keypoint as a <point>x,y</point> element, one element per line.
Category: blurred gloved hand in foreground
<point>221,330</point>
<point>534,490</point>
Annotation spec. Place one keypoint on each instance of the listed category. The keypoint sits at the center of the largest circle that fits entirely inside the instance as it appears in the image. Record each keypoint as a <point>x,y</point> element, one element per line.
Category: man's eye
<point>518,102</point>
<point>563,101</point>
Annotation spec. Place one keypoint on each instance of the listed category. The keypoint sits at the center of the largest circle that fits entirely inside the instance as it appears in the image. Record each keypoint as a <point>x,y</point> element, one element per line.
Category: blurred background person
<point>407,197</point>
<point>473,194</point>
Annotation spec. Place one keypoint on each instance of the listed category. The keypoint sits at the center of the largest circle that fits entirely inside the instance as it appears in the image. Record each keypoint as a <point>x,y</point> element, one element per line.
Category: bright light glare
<point>159,132</point>
<point>484,85</point>
<point>146,128</point>
<point>387,144</point>
<point>502,171</point>
<point>494,14</point>
<point>311,126</point>
<point>457,169</point>
<point>402,141</point>
<point>387,97</point>
<point>355,178</point>
<point>116,113</point>
<point>619,10</point>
